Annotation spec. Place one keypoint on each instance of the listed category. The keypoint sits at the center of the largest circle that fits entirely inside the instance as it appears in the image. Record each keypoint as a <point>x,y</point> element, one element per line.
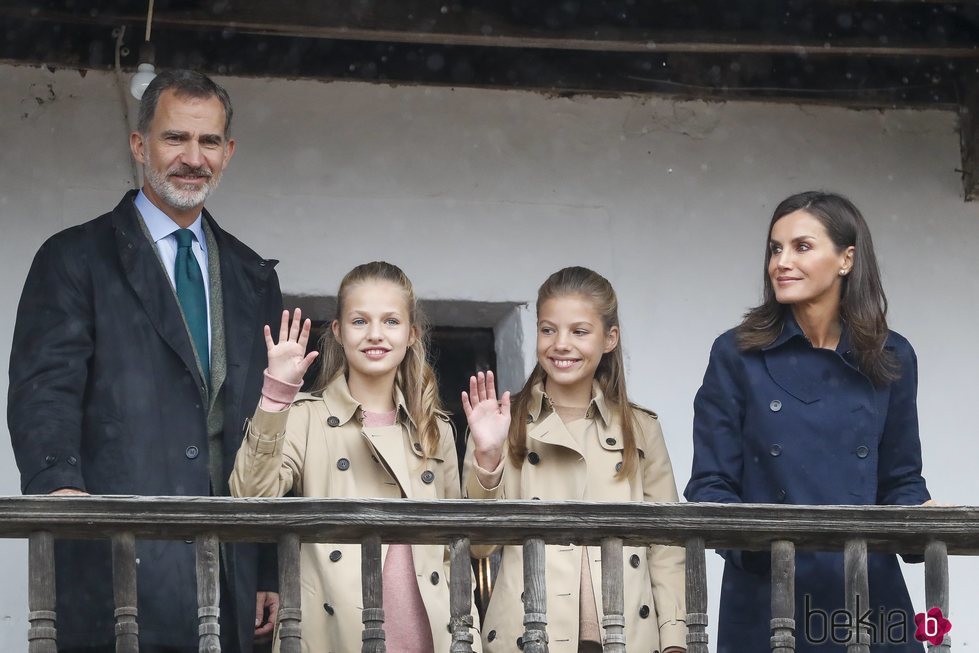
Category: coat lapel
<point>149,281</point>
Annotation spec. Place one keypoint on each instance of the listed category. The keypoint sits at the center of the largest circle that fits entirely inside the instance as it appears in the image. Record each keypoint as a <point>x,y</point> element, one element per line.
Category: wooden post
<point>612,590</point>
<point>124,592</point>
<point>696,590</point>
<point>373,592</point>
<point>290,595</point>
<point>42,635</point>
<point>936,587</point>
<point>783,597</point>
<point>208,594</point>
<point>857,594</point>
<point>460,596</point>
<point>535,597</point>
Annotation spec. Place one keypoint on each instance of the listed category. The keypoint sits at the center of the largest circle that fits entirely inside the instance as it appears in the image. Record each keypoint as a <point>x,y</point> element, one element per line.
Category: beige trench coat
<point>319,448</point>
<point>655,612</point>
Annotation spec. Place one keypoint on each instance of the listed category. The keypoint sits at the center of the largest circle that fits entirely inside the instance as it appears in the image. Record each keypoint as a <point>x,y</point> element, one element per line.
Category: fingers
<point>481,386</point>
<point>473,390</point>
<point>306,362</point>
<point>505,403</point>
<point>284,327</point>
<point>294,327</point>
<point>304,333</point>
<point>259,609</point>
<point>490,386</point>
<point>466,408</point>
<point>269,343</point>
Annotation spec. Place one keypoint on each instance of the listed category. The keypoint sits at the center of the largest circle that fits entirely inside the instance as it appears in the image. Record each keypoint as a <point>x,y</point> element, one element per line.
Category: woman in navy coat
<point>811,400</point>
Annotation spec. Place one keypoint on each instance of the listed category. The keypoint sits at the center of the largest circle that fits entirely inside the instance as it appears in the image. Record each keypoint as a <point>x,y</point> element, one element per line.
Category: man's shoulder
<point>231,244</point>
<point>93,234</point>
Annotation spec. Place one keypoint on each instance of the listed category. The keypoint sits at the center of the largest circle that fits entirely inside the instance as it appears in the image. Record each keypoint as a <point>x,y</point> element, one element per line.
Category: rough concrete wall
<point>480,194</point>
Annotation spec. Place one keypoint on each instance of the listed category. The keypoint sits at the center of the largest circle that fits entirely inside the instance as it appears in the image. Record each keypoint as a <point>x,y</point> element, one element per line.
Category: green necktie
<point>190,293</point>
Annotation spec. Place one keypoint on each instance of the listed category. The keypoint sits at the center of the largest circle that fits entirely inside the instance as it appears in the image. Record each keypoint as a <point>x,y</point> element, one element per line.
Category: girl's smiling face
<point>571,340</point>
<point>374,329</point>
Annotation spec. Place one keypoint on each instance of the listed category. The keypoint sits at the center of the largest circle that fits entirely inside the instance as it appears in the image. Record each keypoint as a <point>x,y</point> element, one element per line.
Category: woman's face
<point>374,328</point>
<point>804,264</point>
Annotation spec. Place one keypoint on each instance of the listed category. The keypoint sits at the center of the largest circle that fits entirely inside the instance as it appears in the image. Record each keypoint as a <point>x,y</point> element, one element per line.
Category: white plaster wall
<point>480,194</point>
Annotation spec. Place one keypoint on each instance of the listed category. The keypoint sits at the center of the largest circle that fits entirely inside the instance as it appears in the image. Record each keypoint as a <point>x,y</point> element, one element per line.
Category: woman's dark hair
<point>863,305</point>
<point>610,375</point>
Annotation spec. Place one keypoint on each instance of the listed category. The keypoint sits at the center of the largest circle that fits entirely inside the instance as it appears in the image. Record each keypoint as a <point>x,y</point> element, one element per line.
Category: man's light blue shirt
<point>162,229</point>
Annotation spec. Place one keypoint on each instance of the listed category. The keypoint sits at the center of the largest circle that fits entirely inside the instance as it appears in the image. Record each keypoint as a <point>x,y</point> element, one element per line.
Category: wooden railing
<point>935,532</point>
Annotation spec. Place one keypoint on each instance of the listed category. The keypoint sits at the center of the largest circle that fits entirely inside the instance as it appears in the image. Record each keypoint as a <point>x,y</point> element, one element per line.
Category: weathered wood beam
<point>936,587</point>
<point>743,526</point>
<point>290,594</point>
<point>209,593</point>
<point>372,591</point>
<point>696,596</point>
<point>124,592</point>
<point>613,600</point>
<point>481,30</point>
<point>460,596</point>
<point>534,639</point>
<point>783,597</point>
<point>42,635</point>
<point>857,590</point>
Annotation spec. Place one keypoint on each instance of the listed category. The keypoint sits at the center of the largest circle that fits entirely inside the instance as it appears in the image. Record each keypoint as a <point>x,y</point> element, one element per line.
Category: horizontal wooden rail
<point>720,526</point>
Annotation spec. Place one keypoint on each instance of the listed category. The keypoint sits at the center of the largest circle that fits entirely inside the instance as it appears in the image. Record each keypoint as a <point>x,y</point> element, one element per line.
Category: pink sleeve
<point>277,394</point>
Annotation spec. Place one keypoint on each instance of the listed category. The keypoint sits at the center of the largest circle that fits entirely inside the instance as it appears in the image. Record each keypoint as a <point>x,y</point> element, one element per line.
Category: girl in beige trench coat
<point>371,428</point>
<point>574,435</point>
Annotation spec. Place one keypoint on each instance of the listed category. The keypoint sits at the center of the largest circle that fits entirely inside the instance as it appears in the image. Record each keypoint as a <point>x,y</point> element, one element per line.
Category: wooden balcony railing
<point>936,532</point>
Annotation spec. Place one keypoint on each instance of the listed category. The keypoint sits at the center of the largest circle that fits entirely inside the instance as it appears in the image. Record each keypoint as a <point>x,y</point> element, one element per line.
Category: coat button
<point>333,421</point>
<point>634,561</point>
<point>72,460</point>
<point>780,494</point>
<point>491,636</point>
<point>776,405</point>
<point>618,466</point>
<point>329,608</point>
<point>192,452</point>
<point>520,643</point>
<point>776,450</point>
<point>610,441</point>
<point>535,498</point>
<point>530,420</point>
<point>428,476</point>
<point>50,459</point>
<point>533,458</point>
<point>644,612</point>
<point>335,555</point>
<point>434,578</point>
<point>417,446</point>
<point>343,464</point>
<point>862,451</point>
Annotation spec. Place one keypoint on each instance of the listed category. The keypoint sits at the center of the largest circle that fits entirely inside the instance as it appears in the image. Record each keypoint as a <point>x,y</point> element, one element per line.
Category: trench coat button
<point>618,466</point>
<point>72,460</point>
<point>780,494</point>
<point>610,441</point>
<point>520,643</point>
<point>434,578</point>
<point>862,451</point>
<point>417,446</point>
<point>328,608</point>
<point>50,459</point>
<point>491,636</point>
<point>192,452</point>
<point>776,405</point>
<point>333,421</point>
<point>535,498</point>
<point>335,555</point>
<point>530,420</point>
<point>776,450</point>
<point>343,464</point>
<point>428,476</point>
<point>634,561</point>
<point>644,612</point>
<point>533,458</point>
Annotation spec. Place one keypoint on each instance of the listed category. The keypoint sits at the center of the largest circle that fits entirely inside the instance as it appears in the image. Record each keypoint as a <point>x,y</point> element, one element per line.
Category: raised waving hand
<point>489,419</point>
<point>288,360</point>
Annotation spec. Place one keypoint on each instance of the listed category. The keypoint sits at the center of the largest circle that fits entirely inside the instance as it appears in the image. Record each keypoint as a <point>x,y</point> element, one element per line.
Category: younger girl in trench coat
<point>372,428</point>
<point>574,435</point>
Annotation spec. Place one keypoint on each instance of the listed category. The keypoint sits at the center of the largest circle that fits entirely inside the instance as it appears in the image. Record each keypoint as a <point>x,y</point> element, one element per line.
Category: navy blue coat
<point>105,396</point>
<point>793,424</point>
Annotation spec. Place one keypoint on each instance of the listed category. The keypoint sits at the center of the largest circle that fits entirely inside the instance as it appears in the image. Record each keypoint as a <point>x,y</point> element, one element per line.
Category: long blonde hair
<point>415,377</point>
<point>610,375</point>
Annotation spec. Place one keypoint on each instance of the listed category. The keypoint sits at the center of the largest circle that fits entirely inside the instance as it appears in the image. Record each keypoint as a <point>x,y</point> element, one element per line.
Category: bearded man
<point>137,355</point>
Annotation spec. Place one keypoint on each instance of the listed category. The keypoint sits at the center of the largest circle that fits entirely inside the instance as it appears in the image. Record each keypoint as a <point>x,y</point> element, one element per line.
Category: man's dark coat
<point>105,396</point>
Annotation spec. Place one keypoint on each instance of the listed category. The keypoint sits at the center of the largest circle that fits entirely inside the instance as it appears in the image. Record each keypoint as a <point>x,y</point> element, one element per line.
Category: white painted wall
<point>480,194</point>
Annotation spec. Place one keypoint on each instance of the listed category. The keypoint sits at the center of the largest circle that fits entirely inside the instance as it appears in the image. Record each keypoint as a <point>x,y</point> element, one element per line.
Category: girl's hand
<point>288,360</point>
<point>489,419</point>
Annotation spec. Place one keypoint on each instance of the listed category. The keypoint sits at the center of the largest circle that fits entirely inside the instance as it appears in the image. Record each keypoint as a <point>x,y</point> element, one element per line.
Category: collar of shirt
<point>538,396</point>
<point>160,225</point>
<point>791,329</point>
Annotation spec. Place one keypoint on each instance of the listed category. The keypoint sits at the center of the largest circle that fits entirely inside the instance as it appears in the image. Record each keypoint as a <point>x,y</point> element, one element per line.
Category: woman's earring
<point>842,273</point>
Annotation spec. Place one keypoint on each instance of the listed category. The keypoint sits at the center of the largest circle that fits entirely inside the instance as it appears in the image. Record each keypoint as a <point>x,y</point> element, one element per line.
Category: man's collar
<point>160,225</point>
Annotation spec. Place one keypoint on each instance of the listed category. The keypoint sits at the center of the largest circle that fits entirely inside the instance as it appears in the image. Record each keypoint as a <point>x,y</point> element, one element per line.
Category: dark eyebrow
<point>214,139</point>
<point>772,241</point>
<point>172,133</point>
